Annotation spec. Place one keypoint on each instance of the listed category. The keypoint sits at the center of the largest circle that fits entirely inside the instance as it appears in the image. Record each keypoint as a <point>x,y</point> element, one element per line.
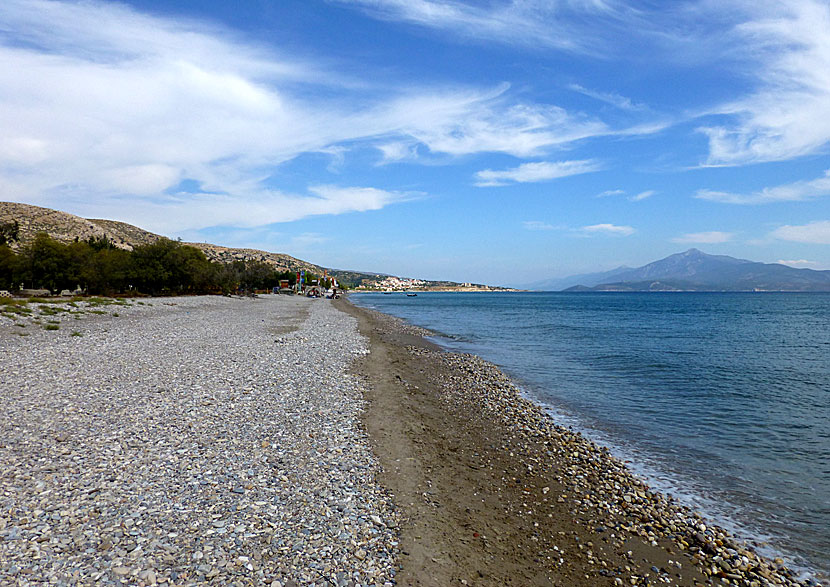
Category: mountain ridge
<point>694,270</point>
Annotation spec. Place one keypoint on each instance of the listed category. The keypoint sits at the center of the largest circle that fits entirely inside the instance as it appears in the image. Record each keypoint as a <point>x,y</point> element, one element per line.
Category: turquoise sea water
<point>722,400</point>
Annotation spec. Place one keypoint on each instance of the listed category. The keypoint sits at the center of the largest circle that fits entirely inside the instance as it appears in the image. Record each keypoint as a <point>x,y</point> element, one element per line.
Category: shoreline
<point>484,477</point>
<point>193,440</point>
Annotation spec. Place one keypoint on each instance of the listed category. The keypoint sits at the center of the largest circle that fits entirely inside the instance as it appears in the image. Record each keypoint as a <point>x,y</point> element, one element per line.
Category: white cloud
<point>105,108</point>
<point>537,225</point>
<point>792,192</point>
<point>461,124</point>
<point>642,196</point>
<point>529,23</point>
<point>608,193</point>
<point>813,233</point>
<point>607,229</point>
<point>188,212</point>
<point>789,115</point>
<point>710,238</point>
<point>797,263</point>
<point>620,102</point>
<point>397,151</point>
<point>535,172</point>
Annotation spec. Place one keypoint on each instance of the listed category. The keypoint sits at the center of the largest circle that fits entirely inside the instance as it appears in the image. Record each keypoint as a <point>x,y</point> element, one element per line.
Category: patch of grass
<point>97,312</point>
<point>76,333</point>
<point>116,314</point>
<point>97,301</point>
<point>20,324</point>
<point>22,333</point>
<point>51,327</point>
<point>50,311</point>
<point>12,302</point>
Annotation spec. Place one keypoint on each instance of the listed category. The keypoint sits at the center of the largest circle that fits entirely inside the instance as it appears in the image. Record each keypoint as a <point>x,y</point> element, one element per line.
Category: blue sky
<point>482,141</point>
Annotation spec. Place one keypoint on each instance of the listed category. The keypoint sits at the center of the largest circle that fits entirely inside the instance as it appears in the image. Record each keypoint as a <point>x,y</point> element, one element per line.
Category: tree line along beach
<point>285,441</point>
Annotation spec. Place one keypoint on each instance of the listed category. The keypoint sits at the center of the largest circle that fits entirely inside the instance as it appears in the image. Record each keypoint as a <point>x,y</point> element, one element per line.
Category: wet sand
<point>492,492</point>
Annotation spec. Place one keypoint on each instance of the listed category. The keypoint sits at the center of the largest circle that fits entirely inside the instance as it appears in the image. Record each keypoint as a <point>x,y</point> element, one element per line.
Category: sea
<point>720,399</point>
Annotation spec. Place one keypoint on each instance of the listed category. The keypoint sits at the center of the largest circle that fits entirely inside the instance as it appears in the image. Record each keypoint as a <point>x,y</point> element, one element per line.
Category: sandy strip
<point>493,493</point>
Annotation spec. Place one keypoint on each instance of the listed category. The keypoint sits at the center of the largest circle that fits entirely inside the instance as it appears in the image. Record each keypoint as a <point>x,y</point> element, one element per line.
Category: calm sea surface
<point>722,400</point>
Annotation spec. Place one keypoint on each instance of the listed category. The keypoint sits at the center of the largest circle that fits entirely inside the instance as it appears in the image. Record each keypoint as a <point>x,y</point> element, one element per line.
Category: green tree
<point>48,264</point>
<point>167,266</point>
<point>10,268</point>
<point>9,232</point>
<point>107,272</point>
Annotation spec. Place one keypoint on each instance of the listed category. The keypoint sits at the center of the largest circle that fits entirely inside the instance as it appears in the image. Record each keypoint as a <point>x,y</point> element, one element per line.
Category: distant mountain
<point>694,270</point>
<point>585,279</point>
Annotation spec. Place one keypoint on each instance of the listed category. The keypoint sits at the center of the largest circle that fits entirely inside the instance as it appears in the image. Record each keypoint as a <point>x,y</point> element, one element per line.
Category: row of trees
<point>98,267</point>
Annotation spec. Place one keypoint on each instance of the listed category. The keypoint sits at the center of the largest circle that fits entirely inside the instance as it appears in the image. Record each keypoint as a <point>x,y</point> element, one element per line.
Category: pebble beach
<point>284,441</point>
<point>186,441</point>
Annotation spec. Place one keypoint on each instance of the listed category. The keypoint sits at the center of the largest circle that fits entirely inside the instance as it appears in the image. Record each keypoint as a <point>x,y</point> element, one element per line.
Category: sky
<point>492,141</point>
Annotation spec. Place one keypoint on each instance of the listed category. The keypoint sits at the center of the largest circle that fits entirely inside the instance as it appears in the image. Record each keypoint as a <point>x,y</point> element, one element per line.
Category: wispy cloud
<point>706,238</point>
<point>528,23</point>
<point>537,225</point>
<point>397,151</point>
<point>187,212</point>
<point>813,233</point>
<point>611,98</point>
<point>792,192</point>
<point>456,124</point>
<point>99,102</point>
<point>535,172</point>
<point>797,263</point>
<point>609,193</point>
<point>642,196</point>
<point>789,115</point>
<point>607,229</point>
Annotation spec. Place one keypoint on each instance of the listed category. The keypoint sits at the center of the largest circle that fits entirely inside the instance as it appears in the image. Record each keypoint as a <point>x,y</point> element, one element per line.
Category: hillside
<point>694,270</point>
<point>67,228</point>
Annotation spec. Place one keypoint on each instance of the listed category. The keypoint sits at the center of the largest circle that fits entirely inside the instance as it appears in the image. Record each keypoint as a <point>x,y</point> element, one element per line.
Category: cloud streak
<point>706,238</point>
<point>535,172</point>
<point>611,98</point>
<point>813,233</point>
<point>789,114</point>
<point>607,229</point>
<point>537,225</point>
<point>798,191</point>
<point>552,25</point>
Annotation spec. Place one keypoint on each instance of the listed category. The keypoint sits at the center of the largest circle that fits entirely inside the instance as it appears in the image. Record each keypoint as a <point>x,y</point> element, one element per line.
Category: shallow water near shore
<point>722,400</point>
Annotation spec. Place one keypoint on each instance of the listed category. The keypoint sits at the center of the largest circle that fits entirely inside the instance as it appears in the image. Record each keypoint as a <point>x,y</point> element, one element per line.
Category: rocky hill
<point>67,228</point>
